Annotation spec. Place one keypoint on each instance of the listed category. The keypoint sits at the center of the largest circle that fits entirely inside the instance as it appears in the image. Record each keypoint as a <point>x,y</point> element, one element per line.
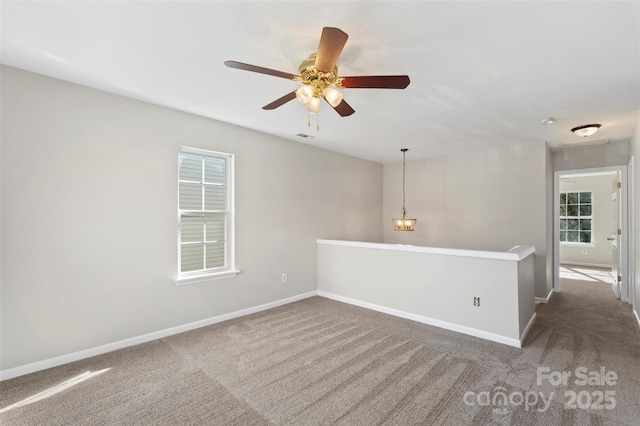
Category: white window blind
<point>205,212</point>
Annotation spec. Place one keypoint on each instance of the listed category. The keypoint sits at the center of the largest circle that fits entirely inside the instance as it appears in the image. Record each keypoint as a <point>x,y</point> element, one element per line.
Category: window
<point>205,208</point>
<point>576,216</point>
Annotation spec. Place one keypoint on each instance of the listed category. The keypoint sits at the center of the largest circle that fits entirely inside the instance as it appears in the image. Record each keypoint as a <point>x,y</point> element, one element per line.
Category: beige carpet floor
<point>319,362</point>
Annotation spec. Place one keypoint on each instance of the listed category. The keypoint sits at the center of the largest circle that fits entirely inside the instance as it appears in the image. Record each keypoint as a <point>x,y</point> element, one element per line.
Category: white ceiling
<point>482,73</point>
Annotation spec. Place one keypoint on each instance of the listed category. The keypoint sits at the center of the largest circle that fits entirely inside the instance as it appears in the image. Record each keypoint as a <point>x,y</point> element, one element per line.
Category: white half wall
<point>489,199</point>
<point>89,217</point>
<point>435,286</point>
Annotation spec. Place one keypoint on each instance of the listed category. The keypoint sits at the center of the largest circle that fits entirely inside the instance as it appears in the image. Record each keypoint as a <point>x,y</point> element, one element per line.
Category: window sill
<point>567,244</point>
<point>206,277</point>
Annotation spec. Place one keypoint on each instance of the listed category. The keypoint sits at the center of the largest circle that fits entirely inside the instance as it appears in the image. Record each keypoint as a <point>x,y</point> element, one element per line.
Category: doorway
<point>590,224</point>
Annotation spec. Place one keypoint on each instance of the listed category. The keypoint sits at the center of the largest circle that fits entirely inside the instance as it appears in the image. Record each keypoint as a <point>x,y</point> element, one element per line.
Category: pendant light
<point>404,223</point>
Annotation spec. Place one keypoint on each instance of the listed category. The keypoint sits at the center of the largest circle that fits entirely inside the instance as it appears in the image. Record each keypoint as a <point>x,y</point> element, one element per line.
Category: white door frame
<point>624,243</point>
<point>632,247</point>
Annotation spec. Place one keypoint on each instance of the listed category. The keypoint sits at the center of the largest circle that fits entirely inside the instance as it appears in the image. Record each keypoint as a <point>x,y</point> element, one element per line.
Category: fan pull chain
<point>317,121</point>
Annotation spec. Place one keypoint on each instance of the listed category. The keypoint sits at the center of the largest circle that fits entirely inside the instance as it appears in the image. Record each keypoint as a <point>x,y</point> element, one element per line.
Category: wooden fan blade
<point>343,108</point>
<point>281,101</point>
<point>331,44</point>
<point>260,70</point>
<point>376,82</point>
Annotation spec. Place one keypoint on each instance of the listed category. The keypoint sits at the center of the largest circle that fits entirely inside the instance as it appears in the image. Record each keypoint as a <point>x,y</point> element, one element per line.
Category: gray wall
<point>489,199</point>
<point>600,255</point>
<point>612,154</point>
<point>549,217</point>
<point>89,214</point>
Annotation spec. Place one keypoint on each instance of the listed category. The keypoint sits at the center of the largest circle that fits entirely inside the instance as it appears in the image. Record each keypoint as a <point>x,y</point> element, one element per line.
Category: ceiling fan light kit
<point>319,72</point>
<point>316,85</point>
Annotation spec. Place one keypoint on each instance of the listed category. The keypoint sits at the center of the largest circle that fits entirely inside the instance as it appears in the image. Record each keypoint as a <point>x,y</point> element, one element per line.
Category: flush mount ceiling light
<point>404,223</point>
<point>586,130</point>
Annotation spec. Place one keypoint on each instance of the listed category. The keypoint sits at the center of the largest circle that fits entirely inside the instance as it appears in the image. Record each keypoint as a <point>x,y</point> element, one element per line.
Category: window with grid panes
<point>576,216</point>
<point>205,213</point>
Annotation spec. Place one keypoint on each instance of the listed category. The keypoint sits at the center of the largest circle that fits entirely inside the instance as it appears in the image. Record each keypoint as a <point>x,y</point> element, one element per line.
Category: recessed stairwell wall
<point>489,199</point>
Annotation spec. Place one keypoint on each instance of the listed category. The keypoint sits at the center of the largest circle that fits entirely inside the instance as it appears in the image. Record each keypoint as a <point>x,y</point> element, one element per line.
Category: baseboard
<point>637,317</point>
<point>527,328</point>
<point>544,299</point>
<point>426,320</point>
<point>593,265</point>
<point>110,347</point>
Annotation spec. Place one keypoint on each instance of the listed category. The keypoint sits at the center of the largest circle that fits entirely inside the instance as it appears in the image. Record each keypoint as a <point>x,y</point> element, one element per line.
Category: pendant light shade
<point>304,94</point>
<point>404,223</point>
<point>313,106</point>
<point>332,96</point>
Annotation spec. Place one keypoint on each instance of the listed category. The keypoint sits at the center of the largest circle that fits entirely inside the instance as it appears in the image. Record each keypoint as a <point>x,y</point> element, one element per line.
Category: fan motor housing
<point>310,75</point>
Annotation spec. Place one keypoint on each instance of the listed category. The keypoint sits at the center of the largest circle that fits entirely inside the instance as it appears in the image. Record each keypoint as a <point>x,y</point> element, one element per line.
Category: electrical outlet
<point>476,301</point>
<point>285,278</point>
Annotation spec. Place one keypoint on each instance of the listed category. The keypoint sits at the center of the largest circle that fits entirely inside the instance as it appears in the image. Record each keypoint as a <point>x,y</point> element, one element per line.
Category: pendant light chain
<point>404,210</point>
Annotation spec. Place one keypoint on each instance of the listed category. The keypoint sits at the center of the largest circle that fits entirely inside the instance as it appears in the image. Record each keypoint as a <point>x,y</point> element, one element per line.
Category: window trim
<point>591,244</point>
<point>229,270</point>
<point>574,244</point>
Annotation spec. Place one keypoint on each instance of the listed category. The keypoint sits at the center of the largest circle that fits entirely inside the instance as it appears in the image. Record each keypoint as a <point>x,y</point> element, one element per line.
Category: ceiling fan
<point>319,72</point>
